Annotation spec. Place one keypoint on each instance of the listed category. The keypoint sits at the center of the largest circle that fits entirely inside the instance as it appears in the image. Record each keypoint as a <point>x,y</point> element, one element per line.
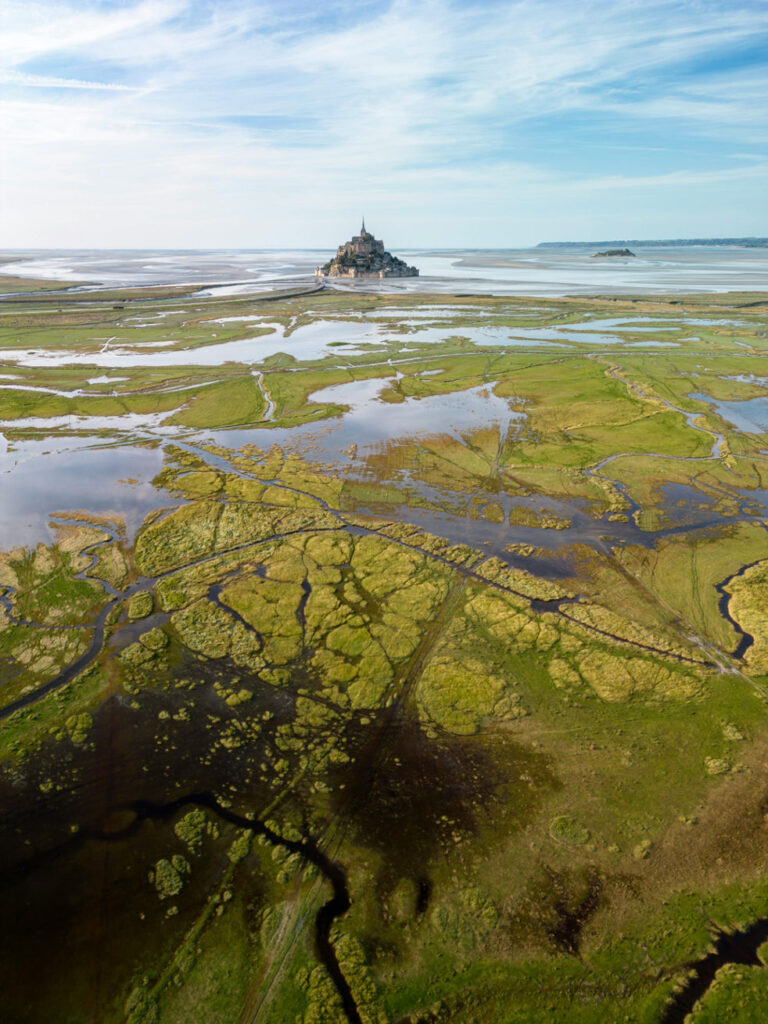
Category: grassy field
<point>475,639</point>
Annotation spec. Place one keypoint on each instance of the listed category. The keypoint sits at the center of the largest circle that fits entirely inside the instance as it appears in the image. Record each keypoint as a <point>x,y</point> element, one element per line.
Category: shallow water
<point>370,423</point>
<point>747,414</point>
<point>624,323</point>
<point>748,378</point>
<point>579,333</point>
<point>75,472</point>
<point>315,340</point>
<point>310,341</point>
<point>125,423</point>
<point>547,272</point>
<point>71,473</point>
<point>39,478</point>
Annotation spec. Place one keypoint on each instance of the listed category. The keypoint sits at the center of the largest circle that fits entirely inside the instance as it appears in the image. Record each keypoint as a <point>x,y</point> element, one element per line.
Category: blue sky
<point>472,123</point>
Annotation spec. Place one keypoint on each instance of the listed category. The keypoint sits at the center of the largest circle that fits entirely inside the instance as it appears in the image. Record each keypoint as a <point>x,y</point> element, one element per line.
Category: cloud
<point>51,82</point>
<point>35,29</point>
<point>287,106</point>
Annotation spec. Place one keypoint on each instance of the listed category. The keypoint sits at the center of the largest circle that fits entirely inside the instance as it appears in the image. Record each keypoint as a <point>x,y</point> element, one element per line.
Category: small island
<point>614,252</point>
<point>365,256</point>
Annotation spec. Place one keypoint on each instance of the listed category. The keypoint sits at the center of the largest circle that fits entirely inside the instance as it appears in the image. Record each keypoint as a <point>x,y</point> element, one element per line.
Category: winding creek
<point>745,639</point>
<point>306,847</point>
<point>737,947</point>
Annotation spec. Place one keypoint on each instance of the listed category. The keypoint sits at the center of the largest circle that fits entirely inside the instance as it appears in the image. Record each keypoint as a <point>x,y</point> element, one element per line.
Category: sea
<point>537,271</point>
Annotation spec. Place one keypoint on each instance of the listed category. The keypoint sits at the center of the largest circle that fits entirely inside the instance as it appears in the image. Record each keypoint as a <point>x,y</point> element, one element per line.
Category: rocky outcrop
<point>614,252</point>
<point>365,256</point>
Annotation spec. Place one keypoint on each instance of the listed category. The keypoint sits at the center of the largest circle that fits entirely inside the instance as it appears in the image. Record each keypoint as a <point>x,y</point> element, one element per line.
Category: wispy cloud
<point>52,82</point>
<point>232,122</point>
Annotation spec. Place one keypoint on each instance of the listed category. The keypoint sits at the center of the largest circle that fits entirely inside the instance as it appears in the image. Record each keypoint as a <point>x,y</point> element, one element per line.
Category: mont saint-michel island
<point>365,256</point>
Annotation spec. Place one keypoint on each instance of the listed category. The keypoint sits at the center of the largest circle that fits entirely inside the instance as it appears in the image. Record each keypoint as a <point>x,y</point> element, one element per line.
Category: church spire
<point>362,229</point>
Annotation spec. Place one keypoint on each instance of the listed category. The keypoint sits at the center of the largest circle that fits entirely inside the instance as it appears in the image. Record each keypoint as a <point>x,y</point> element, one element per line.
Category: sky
<point>447,123</point>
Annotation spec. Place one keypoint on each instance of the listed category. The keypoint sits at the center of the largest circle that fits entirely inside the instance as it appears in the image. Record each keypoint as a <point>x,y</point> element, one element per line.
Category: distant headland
<point>365,256</point>
<point>658,243</point>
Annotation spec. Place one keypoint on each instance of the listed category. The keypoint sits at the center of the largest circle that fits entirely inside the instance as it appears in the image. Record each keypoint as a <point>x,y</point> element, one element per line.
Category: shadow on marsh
<point>412,799</point>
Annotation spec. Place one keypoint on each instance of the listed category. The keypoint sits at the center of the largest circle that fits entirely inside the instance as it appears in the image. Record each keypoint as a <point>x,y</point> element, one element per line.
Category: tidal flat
<point>376,659</point>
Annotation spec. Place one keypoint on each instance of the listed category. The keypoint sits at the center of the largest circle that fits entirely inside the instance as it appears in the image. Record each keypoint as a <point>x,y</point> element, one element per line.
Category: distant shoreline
<point>746,243</point>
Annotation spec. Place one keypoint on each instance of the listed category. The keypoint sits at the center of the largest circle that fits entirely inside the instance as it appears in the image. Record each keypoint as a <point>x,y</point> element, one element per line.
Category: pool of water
<point>654,344</point>
<point>747,414</point>
<point>39,478</point>
<point>371,423</point>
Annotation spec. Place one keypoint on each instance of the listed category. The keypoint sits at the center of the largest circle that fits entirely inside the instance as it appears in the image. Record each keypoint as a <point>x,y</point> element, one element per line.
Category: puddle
<point>579,333</point>
<point>435,313</point>
<point>627,324</point>
<point>249,318</point>
<point>76,393</point>
<point>747,378</point>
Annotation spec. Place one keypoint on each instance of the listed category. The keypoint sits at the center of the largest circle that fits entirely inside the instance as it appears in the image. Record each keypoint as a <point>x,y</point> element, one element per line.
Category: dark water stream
<point>745,639</point>
<point>306,847</point>
<point>738,947</point>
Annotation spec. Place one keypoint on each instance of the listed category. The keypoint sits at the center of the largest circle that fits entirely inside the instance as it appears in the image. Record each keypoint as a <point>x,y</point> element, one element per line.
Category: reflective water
<point>73,473</point>
<point>747,414</point>
<point>625,324</point>
<point>371,423</point>
<point>512,271</point>
<point>314,340</point>
<point>310,341</point>
<point>126,423</point>
<point>654,344</point>
<point>38,478</point>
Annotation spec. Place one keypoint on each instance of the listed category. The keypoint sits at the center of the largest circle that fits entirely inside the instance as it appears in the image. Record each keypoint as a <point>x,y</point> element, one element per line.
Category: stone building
<point>365,256</point>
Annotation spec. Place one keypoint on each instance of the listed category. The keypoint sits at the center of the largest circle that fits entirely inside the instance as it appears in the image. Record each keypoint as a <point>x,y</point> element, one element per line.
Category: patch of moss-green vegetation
<point>167,876</point>
<point>739,994</point>
<point>223,404</point>
<point>140,605</point>
<point>749,607</point>
<point>194,827</point>
<point>684,570</point>
<point>567,831</point>
<point>48,590</point>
